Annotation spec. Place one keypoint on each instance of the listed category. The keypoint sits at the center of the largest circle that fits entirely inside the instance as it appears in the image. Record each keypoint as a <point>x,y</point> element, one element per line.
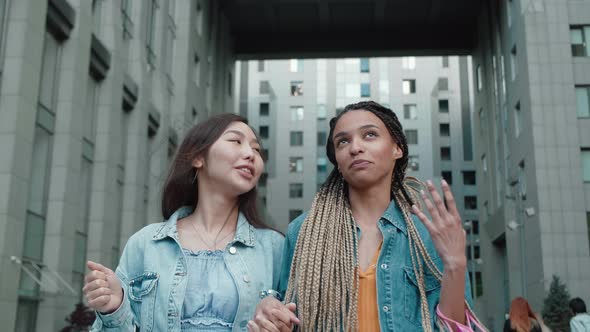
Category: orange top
<point>368,311</point>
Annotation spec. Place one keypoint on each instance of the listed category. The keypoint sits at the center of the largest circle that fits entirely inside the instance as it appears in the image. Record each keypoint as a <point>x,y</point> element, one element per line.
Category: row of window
<point>408,87</point>
<point>409,62</point>
<point>297,113</point>
<point>468,177</point>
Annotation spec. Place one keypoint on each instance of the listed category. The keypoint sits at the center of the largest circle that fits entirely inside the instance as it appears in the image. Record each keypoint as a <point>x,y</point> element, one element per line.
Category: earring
<point>196,173</point>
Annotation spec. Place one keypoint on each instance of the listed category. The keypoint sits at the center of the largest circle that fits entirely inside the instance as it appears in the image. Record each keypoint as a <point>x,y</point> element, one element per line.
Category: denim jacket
<point>398,296</point>
<point>153,274</point>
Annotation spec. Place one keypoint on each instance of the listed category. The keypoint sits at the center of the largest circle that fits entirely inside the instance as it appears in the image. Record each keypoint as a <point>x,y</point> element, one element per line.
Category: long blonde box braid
<point>324,278</point>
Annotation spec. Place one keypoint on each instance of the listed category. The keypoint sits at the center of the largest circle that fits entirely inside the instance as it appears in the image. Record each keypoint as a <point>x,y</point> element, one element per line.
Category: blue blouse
<point>211,299</point>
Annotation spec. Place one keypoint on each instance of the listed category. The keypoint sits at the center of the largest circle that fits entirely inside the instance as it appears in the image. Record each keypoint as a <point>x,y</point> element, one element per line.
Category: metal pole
<point>520,222</point>
<point>473,282</point>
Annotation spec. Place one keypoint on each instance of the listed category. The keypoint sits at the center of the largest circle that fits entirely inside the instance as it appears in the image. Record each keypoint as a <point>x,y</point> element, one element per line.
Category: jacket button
<point>385,308</point>
<point>246,278</point>
<point>233,250</point>
<point>384,266</point>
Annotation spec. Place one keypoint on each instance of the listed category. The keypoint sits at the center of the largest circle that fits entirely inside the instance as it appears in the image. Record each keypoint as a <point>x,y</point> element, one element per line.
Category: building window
<point>364,65</point>
<point>409,62</point>
<point>408,86</point>
<point>583,101</point>
<point>445,153</point>
<point>470,202</point>
<point>322,138</point>
<point>579,36</point>
<point>264,109</point>
<point>445,129</point>
<point>352,90</point>
<point>482,121</point>
<point>413,163</point>
<point>260,66</point>
<point>443,84</point>
<point>294,214</point>
<point>263,180</point>
<point>479,78</point>
<point>151,33</point>
<point>484,163</point>
<point>296,138</point>
<point>522,179</point>
<point>478,284</point>
<point>197,70</point>
<point>296,65</point>
<point>445,62</point>
<point>586,164</point>
<point>295,190</point>
<point>411,136</point>
<point>264,87</point>
<point>517,119</point>
<point>296,88</point>
<point>321,112</point>
<point>127,22</point>
<point>476,252</point>
<point>448,176</point>
<point>265,154</point>
<point>443,106</point>
<point>475,227</point>
<point>199,19</point>
<point>322,165</point>
<point>410,111</point>
<point>230,82</point>
<point>297,113</point>
<point>264,131</point>
<point>365,90</point>
<point>295,164</point>
<point>513,62</point>
<point>469,178</point>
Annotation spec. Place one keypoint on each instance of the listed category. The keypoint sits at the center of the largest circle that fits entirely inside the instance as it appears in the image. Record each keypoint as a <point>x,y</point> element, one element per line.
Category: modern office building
<point>531,101</point>
<point>290,102</point>
<point>94,98</point>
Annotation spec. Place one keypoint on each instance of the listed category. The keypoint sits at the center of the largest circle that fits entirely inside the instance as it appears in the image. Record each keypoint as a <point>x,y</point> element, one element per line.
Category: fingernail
<point>428,182</point>
<point>422,192</point>
<point>444,183</point>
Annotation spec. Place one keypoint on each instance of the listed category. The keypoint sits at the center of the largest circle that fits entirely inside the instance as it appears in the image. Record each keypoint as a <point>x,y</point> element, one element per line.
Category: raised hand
<point>445,228</point>
<point>102,288</point>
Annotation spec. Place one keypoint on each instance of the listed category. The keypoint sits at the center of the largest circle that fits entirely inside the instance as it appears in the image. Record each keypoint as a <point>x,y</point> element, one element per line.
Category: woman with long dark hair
<point>204,266</point>
<point>366,257</point>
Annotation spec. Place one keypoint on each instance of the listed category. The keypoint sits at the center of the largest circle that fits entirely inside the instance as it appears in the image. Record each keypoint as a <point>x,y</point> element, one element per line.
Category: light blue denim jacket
<point>398,297</point>
<point>153,273</point>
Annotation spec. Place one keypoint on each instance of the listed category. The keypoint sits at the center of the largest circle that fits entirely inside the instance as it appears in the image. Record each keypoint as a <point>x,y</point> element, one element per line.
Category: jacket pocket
<point>412,307</point>
<point>142,292</point>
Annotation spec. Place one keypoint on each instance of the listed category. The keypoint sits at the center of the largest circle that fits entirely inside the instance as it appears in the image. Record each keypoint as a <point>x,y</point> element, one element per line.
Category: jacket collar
<point>393,214</point>
<point>245,233</point>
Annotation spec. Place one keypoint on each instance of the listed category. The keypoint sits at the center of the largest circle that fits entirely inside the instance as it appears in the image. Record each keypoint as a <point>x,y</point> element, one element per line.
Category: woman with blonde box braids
<point>365,257</point>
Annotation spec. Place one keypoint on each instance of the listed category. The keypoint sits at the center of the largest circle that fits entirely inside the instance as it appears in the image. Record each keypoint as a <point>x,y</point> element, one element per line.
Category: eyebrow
<point>344,133</point>
<point>241,134</point>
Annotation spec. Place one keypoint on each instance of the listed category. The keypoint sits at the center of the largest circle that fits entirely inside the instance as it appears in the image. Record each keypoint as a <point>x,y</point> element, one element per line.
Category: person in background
<point>580,322</point>
<point>521,317</point>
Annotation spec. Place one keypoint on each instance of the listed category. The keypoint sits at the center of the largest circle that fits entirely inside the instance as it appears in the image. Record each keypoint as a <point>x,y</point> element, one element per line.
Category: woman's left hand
<point>445,228</point>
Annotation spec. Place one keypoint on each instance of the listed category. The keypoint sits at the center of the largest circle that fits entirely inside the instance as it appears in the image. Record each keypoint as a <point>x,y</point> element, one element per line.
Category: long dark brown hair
<point>180,188</point>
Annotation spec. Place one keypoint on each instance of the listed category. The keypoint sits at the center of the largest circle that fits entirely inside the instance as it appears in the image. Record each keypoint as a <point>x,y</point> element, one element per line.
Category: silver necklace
<point>215,240</point>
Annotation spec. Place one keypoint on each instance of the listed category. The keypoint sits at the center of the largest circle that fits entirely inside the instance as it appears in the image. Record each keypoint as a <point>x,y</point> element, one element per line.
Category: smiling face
<point>233,164</point>
<point>364,149</point>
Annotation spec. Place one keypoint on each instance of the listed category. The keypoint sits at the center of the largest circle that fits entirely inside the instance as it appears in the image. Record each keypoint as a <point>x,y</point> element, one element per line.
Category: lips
<point>246,170</point>
<point>359,163</point>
